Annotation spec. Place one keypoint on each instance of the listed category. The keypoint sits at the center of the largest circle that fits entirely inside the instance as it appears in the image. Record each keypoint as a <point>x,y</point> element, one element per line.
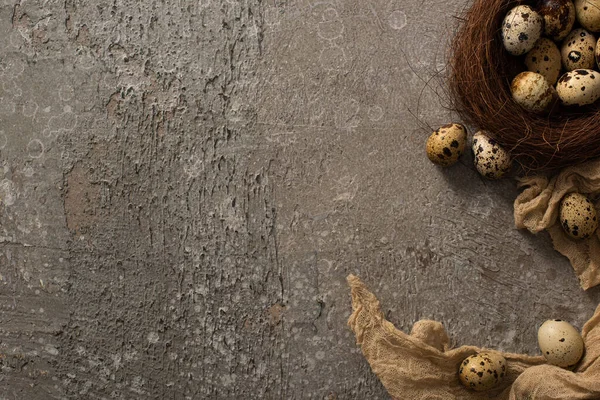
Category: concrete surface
<point>186,184</point>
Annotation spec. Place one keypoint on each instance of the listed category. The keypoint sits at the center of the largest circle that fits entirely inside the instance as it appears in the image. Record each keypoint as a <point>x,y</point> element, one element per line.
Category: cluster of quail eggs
<point>557,42</point>
<point>577,213</point>
<point>446,144</point>
<point>560,58</point>
<point>560,343</point>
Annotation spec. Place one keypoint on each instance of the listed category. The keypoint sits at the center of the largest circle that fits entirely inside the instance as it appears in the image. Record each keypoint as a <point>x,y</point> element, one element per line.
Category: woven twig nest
<point>480,77</point>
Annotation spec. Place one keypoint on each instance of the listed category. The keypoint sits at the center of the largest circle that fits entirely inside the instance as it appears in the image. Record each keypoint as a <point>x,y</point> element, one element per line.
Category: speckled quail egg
<point>578,216</point>
<point>559,17</point>
<point>447,144</point>
<point>588,14</point>
<point>491,160</point>
<point>482,371</point>
<point>560,343</point>
<point>544,59</point>
<point>579,87</point>
<point>578,50</point>
<point>532,92</point>
<point>597,53</point>
<point>521,28</point>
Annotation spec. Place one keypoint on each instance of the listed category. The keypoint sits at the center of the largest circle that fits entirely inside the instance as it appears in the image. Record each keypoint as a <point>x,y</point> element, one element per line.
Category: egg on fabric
<point>532,92</point>
<point>588,14</point>
<point>447,144</point>
<point>560,343</point>
<point>491,160</point>
<point>521,28</point>
<point>578,50</point>
<point>482,371</point>
<point>545,59</point>
<point>578,216</point>
<point>559,17</point>
<point>579,87</point>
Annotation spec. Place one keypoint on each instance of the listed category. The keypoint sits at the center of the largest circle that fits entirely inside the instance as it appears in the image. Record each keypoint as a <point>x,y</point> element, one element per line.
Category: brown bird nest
<point>480,77</point>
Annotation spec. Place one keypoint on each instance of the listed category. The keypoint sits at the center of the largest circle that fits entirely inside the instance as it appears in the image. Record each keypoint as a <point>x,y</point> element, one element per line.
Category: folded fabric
<point>422,366</point>
<point>537,207</point>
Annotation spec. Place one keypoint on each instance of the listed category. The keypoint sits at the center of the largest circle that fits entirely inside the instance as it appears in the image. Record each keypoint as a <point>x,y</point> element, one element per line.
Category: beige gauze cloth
<point>537,207</point>
<point>422,365</point>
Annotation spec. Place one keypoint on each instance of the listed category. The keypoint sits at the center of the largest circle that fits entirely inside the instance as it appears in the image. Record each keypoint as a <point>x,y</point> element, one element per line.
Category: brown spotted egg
<point>544,59</point>
<point>482,371</point>
<point>532,92</point>
<point>446,145</point>
<point>560,343</point>
<point>578,50</point>
<point>521,28</point>
<point>559,17</point>
<point>578,216</point>
<point>597,53</point>
<point>579,87</point>
<point>491,160</point>
<point>588,14</point>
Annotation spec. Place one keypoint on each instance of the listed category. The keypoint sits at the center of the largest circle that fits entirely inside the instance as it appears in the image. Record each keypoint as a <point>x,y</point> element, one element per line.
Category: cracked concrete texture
<point>186,185</point>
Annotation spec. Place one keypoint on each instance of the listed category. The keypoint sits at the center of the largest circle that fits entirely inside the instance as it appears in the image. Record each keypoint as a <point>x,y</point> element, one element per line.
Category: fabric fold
<point>423,366</point>
<point>537,207</point>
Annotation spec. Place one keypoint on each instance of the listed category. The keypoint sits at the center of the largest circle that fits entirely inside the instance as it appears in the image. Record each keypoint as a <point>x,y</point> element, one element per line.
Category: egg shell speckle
<point>578,216</point>
<point>560,343</point>
<point>491,160</point>
<point>482,371</point>
<point>521,28</point>
<point>597,53</point>
<point>545,60</point>
<point>578,50</point>
<point>532,92</point>
<point>579,87</point>
<point>446,145</point>
<point>559,17</point>
<point>588,14</point>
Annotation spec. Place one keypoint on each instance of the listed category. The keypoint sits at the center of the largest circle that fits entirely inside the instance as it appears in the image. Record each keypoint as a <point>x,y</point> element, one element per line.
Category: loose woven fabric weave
<point>537,207</point>
<point>421,365</point>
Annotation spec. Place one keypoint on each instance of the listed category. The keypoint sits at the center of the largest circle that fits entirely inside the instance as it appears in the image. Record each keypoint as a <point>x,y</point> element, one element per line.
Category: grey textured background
<point>186,184</point>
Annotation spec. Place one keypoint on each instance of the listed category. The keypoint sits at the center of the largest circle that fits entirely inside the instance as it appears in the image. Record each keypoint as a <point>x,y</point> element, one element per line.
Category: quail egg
<point>482,371</point>
<point>544,59</point>
<point>560,343</point>
<point>447,144</point>
<point>578,50</point>
<point>521,28</point>
<point>491,160</point>
<point>532,92</point>
<point>597,53</point>
<point>578,216</point>
<point>588,14</point>
<point>559,17</point>
<point>579,87</point>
